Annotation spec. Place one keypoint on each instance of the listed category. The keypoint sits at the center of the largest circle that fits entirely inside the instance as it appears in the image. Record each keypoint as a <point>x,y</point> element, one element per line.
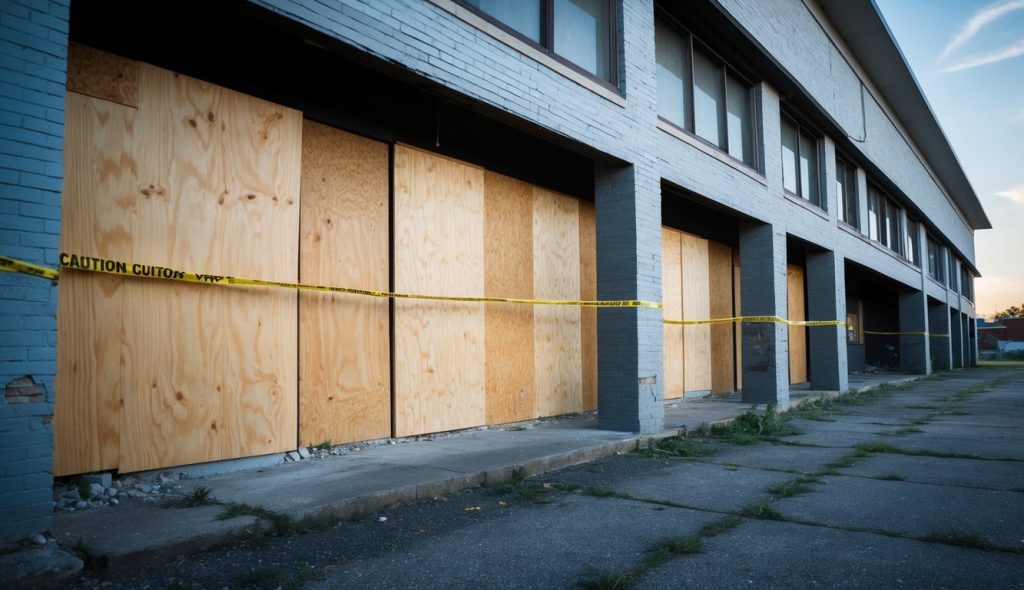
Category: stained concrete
<point>761,554</point>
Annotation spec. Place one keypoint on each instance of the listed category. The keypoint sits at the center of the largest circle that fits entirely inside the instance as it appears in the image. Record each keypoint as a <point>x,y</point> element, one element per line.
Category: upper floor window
<point>699,93</point>
<point>966,283</point>
<point>846,190</point>
<point>885,222</point>
<point>913,243</point>
<point>935,265</point>
<point>800,171</point>
<point>952,272</point>
<point>581,32</point>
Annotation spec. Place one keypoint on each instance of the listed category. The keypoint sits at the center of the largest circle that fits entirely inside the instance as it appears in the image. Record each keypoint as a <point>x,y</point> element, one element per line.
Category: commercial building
<point>724,158</point>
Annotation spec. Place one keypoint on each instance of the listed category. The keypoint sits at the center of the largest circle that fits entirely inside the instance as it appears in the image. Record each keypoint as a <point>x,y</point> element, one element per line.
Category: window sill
<point>492,30</point>
<point>806,204</point>
<point>885,249</point>
<point>850,227</point>
<point>711,151</point>
<point>939,284</point>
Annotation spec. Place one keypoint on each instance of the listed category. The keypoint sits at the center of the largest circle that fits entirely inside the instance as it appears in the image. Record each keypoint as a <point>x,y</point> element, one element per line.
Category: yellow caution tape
<point>121,268</point>
<point>757,319</point>
<point>13,265</point>
<point>935,334</point>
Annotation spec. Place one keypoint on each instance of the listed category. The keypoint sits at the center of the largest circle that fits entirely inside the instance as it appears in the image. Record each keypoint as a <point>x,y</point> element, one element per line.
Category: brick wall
<point>33,53</point>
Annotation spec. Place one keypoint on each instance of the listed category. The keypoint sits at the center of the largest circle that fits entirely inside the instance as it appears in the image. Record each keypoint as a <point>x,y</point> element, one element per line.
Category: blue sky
<point>968,56</point>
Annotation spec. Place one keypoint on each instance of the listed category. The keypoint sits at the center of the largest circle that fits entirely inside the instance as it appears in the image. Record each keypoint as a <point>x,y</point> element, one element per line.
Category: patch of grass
<point>676,447</point>
<point>921,421</point>
<point>752,428</point>
<point>908,430</point>
<point>519,488</point>
<point>567,487</point>
<point>279,524</point>
<point>722,525</point>
<point>325,445</point>
<point>922,407</point>
<point>877,446</point>
<point>818,410</point>
<point>890,477</point>
<point>791,488</point>
<point>832,467</point>
<point>1002,364</point>
<point>762,511</point>
<point>954,412</point>
<point>260,578</point>
<point>200,496</point>
<point>598,492</point>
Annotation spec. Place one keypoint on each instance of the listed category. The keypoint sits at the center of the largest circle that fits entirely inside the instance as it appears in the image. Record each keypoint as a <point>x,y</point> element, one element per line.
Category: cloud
<point>1015,194</point>
<point>1007,52</point>
<point>986,15</point>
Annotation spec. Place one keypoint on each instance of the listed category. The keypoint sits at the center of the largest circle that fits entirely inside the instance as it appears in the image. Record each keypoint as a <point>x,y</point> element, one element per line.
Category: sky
<point>968,56</point>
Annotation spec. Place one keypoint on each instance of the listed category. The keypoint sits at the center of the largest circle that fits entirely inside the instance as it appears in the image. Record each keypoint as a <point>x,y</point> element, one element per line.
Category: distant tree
<point>1014,311</point>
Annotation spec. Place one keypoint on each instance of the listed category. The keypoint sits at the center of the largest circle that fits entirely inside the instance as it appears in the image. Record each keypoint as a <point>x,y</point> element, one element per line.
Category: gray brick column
<point>941,346</point>
<point>956,345</point>
<point>914,347</point>
<point>629,340</point>
<point>965,331</point>
<point>826,300</point>
<point>763,292</point>
<point>974,342</point>
<point>33,54</point>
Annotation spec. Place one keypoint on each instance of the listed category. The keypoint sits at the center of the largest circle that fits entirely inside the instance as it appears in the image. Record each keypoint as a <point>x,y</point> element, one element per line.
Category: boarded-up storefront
<point>165,171</point>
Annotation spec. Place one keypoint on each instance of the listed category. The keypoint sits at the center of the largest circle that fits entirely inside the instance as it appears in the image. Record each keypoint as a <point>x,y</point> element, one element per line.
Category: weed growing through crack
<point>752,428</point>
<point>606,581</point>
<point>606,493</point>
<point>790,488</point>
<point>325,445</point>
<point>762,511</point>
<point>280,524</point>
<point>676,447</point>
<point>922,407</point>
<point>519,488</point>
<point>817,410</point>
<point>200,496</point>
<point>885,447</point>
<point>907,430</point>
<point>722,525</point>
<point>890,477</point>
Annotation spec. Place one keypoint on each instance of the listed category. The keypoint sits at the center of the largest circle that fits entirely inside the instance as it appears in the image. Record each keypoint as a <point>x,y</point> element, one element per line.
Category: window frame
<point>723,70</point>
<point>912,245</point>
<point>937,272</point>
<point>801,130</point>
<point>547,44</point>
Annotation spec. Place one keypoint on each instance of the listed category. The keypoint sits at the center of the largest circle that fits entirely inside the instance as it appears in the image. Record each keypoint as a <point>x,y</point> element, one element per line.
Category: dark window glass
<point>740,120</point>
<point>846,189</point>
<point>952,272</point>
<point>893,230</point>
<point>800,171</point>
<point>519,15</point>
<point>913,251</point>
<point>707,99</point>
<point>809,188</point>
<point>789,151</point>
<point>582,31</point>
<point>673,52</point>
<point>699,93</point>
<point>875,204</point>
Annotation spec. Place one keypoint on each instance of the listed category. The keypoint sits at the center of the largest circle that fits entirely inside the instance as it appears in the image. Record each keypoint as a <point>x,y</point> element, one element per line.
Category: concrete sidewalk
<point>138,533</point>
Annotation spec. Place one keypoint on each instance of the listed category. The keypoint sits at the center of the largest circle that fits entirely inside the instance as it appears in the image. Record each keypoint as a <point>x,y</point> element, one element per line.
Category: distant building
<point>1004,334</point>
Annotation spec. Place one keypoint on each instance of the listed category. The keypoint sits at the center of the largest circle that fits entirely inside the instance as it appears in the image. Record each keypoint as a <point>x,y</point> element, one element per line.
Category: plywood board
<point>588,291</point>
<point>102,75</point>
<point>696,306</point>
<point>797,334</point>
<point>737,328</point>
<point>720,273</point>
<point>672,300</point>
<point>344,340</point>
<point>557,329</point>
<point>99,195</point>
<point>439,250</point>
<point>508,272</point>
<point>210,373</point>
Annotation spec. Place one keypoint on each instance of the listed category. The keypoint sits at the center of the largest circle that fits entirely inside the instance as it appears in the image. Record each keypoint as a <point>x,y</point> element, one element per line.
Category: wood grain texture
<point>439,249</point>
<point>210,373</point>
<point>722,335</point>
<point>672,300</point>
<point>102,75</point>
<point>588,291</point>
<point>99,195</point>
<point>557,329</point>
<point>508,272</point>
<point>796,302</point>
<point>344,341</point>
<point>737,328</point>
<point>696,306</point>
